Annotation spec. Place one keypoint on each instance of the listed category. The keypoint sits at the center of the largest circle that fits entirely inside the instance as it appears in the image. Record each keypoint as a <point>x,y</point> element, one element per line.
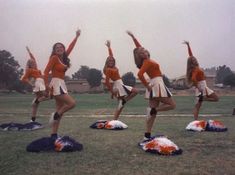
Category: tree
<point>82,73</point>
<point>94,77</point>
<point>129,79</point>
<point>166,80</point>
<point>10,72</point>
<point>229,80</point>
<point>222,72</point>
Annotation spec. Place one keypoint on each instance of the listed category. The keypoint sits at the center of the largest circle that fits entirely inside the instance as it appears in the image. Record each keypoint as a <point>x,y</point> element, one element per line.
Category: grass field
<point>116,152</point>
<point>88,104</point>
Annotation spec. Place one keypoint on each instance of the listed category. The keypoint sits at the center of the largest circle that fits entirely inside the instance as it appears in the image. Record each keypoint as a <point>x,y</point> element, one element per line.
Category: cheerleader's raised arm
<point>72,44</point>
<point>136,42</point>
<point>190,53</point>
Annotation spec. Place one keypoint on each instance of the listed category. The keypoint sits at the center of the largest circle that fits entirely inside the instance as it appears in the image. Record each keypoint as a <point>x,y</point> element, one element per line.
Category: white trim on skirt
<point>121,89</point>
<point>58,86</point>
<point>39,85</point>
<point>159,89</point>
<point>202,88</point>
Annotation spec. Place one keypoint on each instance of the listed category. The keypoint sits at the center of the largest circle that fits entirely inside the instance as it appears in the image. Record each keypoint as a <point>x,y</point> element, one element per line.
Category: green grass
<point>102,104</point>
<point>116,152</point>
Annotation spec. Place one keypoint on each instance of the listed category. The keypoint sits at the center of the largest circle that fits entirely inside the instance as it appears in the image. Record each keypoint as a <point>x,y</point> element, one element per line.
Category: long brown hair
<point>65,58</point>
<point>138,60</point>
<point>192,63</point>
<point>106,63</point>
<point>30,64</point>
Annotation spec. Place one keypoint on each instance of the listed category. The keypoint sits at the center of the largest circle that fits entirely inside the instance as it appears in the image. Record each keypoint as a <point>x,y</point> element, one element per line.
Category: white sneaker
<point>143,141</point>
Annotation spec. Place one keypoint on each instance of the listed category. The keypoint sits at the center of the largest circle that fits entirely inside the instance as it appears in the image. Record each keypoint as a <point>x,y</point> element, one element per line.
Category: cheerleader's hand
<point>149,87</point>
<point>130,33</point>
<point>185,42</point>
<point>108,43</point>
<point>78,32</point>
<point>27,48</point>
<point>31,84</point>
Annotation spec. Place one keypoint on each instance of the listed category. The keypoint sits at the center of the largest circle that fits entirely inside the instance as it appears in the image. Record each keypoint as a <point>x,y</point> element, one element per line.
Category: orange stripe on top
<point>57,68</point>
<point>113,74</point>
<point>54,65</point>
<point>151,68</point>
<point>31,73</point>
<point>197,75</point>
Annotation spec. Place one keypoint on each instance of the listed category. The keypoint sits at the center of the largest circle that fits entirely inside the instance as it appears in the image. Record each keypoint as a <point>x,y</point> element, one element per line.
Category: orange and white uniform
<point>152,69</point>
<point>39,84</point>
<point>58,70</point>
<point>36,74</point>
<point>118,86</point>
<point>33,58</point>
<point>199,80</point>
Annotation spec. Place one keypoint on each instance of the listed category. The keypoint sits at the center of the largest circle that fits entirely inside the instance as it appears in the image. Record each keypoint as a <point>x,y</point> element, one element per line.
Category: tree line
<point>11,72</point>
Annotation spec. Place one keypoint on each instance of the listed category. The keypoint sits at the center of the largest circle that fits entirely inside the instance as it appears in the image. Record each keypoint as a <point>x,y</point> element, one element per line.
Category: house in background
<point>78,86</point>
<point>82,86</point>
<point>210,80</point>
<point>180,83</point>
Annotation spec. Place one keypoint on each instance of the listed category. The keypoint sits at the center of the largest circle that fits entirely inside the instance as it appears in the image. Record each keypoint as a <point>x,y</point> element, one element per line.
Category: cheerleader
<point>58,65</point>
<point>122,92</point>
<point>159,96</point>
<point>195,77</point>
<point>33,77</point>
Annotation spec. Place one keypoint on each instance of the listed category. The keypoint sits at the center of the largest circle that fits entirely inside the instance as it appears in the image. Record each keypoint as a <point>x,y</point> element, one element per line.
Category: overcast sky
<point>159,25</point>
